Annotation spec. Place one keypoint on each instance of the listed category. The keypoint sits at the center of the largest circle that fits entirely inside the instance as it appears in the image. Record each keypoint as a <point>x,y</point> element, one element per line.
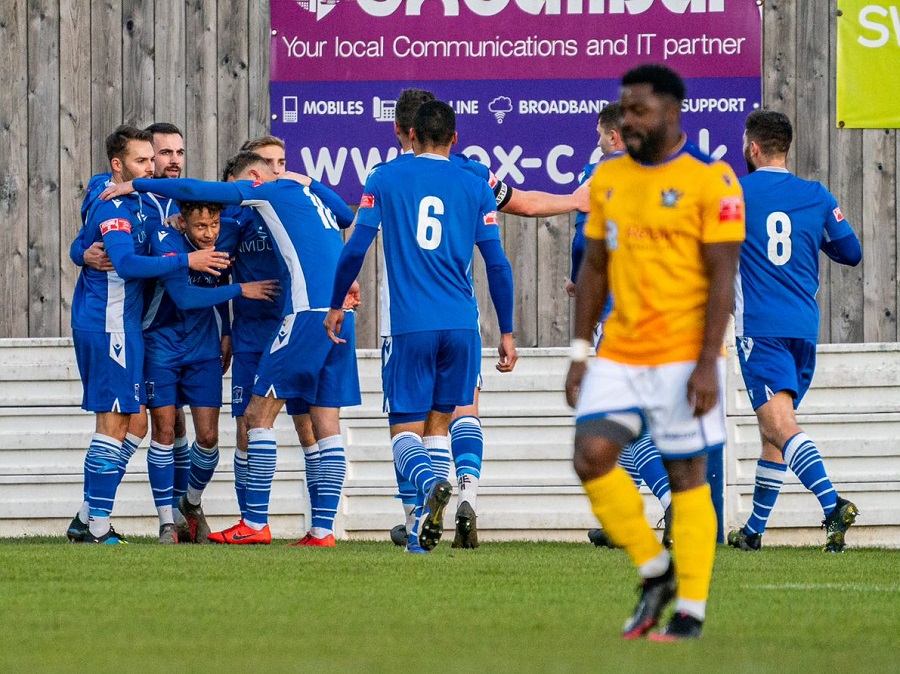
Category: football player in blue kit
<point>466,442</point>
<point>432,213</point>
<point>641,458</point>
<point>106,321</point>
<point>299,361</point>
<point>183,332</point>
<point>253,325</point>
<point>789,220</point>
<point>168,162</point>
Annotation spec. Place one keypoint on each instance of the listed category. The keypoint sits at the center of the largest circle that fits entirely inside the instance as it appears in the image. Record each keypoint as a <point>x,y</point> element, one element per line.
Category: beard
<point>645,148</point>
<point>750,167</point>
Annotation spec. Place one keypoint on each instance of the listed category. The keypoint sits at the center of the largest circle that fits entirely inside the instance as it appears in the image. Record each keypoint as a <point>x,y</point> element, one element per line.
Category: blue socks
<point>413,462</point>
<point>161,473</point>
<point>203,465</point>
<point>467,445</point>
<point>240,480</point>
<point>438,447</point>
<point>260,473</point>
<point>801,455</point>
<point>182,469</point>
<point>129,447</point>
<point>332,470</point>
<point>649,465</point>
<point>104,457</point>
<point>769,478</point>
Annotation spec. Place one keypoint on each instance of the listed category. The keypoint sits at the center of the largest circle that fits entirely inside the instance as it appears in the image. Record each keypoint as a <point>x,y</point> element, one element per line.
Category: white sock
<point>320,532</point>
<point>98,526</point>
<point>656,566</point>
<point>84,512</point>
<point>694,608</point>
<point>256,526</point>
<point>166,516</point>
<point>468,489</point>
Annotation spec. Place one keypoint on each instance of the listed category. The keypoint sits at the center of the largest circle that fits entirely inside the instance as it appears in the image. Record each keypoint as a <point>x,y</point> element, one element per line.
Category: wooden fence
<point>71,70</point>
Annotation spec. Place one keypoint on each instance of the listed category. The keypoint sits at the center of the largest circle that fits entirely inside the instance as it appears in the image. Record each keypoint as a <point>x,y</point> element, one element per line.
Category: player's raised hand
<point>703,387</point>
<point>95,257</point>
<point>209,261</point>
<point>508,354</point>
<point>117,190</point>
<point>333,322</point>
<point>296,177</point>
<point>352,300</point>
<point>260,290</point>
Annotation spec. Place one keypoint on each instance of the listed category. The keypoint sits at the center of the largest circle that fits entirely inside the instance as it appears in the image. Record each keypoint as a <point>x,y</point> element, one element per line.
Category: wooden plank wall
<point>71,70</point>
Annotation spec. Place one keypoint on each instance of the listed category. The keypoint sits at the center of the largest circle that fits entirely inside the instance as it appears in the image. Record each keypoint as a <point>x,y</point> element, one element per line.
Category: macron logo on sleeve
<point>162,235</point>
<point>367,201</point>
<point>115,225</point>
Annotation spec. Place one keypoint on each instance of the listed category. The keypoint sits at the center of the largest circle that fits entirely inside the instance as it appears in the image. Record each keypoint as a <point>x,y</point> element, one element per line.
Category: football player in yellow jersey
<point>664,236</point>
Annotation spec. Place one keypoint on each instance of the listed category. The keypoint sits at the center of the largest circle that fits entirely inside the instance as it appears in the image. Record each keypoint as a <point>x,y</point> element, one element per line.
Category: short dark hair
<point>117,141</point>
<point>263,141</point>
<point>610,117</point>
<point>164,128</point>
<point>771,130</point>
<point>187,207</point>
<point>435,123</point>
<point>663,81</point>
<point>408,105</point>
<point>240,163</point>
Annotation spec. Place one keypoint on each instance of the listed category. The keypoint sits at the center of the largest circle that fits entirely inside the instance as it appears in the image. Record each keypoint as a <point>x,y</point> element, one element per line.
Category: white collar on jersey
<point>773,169</point>
<point>431,155</point>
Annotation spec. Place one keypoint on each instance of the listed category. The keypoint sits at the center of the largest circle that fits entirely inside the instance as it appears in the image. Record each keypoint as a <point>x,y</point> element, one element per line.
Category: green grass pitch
<point>368,607</point>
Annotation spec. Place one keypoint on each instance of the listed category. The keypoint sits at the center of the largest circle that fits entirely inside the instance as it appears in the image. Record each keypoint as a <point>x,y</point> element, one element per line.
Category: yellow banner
<point>868,64</point>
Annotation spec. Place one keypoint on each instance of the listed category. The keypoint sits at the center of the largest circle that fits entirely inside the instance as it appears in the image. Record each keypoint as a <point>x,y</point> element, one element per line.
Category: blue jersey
<point>112,301</point>
<point>181,325</point>
<point>255,322</point>
<point>305,232</point>
<point>788,221</point>
<point>579,243</point>
<point>431,213</point>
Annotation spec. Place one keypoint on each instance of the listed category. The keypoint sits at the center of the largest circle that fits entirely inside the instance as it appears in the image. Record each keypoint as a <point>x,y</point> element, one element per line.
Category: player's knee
<point>593,457</point>
<point>207,437</point>
<point>137,425</point>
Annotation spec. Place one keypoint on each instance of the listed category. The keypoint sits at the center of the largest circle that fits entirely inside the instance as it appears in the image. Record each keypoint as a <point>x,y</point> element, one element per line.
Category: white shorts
<point>651,398</point>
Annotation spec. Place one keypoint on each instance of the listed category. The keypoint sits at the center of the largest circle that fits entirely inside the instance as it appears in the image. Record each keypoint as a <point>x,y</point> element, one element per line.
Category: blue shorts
<point>432,370</point>
<point>302,362</point>
<point>197,384</point>
<point>243,372</point>
<point>773,364</point>
<point>111,365</point>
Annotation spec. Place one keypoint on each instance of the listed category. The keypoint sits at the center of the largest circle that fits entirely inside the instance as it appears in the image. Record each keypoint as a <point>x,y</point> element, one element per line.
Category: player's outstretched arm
<point>535,204</point>
<point>721,261</point>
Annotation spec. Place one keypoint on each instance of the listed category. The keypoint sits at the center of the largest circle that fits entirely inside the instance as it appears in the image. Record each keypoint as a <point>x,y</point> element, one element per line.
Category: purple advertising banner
<point>526,77</point>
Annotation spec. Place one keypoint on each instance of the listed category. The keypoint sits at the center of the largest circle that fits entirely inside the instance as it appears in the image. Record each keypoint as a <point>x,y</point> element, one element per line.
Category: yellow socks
<point>618,505</point>
<point>693,547</point>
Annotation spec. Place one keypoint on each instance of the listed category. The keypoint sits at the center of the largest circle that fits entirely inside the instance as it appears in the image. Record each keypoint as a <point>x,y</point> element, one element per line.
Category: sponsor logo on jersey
<point>837,214</point>
<point>670,198</point>
<point>491,219</point>
<point>367,201</point>
<point>731,209</point>
<point>256,183</point>
<point>115,225</point>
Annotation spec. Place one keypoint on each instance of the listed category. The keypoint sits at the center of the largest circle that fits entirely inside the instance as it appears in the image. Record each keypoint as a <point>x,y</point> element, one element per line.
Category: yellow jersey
<point>654,219</point>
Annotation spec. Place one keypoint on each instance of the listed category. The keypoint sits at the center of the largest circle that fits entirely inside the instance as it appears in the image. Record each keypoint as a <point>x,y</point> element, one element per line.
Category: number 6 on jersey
<point>428,228</point>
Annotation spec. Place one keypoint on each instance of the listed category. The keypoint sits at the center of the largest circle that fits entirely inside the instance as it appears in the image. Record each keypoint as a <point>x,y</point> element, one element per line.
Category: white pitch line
<point>844,587</point>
